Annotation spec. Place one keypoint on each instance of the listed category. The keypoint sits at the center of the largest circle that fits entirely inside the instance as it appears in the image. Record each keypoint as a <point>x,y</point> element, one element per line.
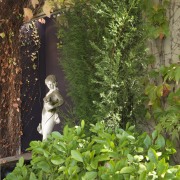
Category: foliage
<point>10,76</point>
<point>156,19</point>
<point>122,154</point>
<point>104,59</point>
<point>164,99</point>
<point>45,6</point>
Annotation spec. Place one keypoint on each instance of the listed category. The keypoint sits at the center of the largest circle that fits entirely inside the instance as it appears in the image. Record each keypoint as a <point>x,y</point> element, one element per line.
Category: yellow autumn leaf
<point>2,34</point>
<point>47,9</point>
<point>28,14</point>
<point>34,3</point>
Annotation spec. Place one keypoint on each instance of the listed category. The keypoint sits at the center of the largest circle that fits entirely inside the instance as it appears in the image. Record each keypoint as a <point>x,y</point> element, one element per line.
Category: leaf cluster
<point>122,154</point>
<point>164,99</point>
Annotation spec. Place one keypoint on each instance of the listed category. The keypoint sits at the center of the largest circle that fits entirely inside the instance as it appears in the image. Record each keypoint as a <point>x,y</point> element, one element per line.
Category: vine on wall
<point>11,21</point>
<point>163,81</point>
<point>10,78</point>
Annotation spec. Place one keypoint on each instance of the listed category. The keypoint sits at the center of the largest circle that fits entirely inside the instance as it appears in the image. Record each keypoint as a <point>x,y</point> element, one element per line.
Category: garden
<point>121,60</point>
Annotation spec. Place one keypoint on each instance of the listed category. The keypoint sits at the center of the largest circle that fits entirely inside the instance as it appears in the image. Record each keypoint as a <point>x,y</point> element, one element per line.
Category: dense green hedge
<point>119,155</point>
<point>104,59</point>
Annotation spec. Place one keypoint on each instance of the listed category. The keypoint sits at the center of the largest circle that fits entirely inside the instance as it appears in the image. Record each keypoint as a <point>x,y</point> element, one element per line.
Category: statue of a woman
<point>52,101</point>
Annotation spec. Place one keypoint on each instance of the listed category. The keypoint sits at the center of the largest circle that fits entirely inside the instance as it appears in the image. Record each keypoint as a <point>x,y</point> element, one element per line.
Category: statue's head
<point>51,82</point>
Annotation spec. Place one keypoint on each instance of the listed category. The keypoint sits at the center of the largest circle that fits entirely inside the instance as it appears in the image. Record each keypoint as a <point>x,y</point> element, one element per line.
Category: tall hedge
<point>104,59</point>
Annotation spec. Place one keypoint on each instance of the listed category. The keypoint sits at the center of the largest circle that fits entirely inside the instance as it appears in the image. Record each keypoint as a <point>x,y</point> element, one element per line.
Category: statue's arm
<point>59,101</point>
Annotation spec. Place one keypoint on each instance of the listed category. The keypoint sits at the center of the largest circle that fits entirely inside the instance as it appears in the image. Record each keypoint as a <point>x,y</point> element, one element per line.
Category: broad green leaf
<point>152,155</point>
<point>142,168</point>
<point>46,153</point>
<point>131,137</point>
<point>147,141</point>
<point>160,141</point>
<point>57,160</point>
<point>139,149</point>
<point>130,158</point>
<point>62,168</point>
<point>154,134</point>
<point>143,175</point>
<point>102,157</point>
<point>150,166</point>
<point>78,130</point>
<point>126,170</point>
<point>90,175</point>
<point>60,148</point>
<point>120,164</point>
<point>76,155</point>
<point>162,167</point>
<point>138,158</point>
<point>11,176</point>
<point>34,144</point>
<point>32,176</point>
<point>21,162</point>
<point>44,166</point>
<point>94,163</point>
<point>56,135</point>
<point>24,171</point>
<point>65,130</point>
<point>39,150</point>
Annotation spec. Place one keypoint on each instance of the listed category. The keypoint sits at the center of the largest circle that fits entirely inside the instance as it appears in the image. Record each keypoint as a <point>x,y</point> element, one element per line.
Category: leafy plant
<point>164,99</point>
<point>105,154</point>
<point>104,59</point>
<point>156,19</point>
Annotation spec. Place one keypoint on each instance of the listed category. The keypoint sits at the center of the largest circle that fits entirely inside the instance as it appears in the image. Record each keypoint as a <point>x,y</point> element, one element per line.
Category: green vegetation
<point>104,60</point>
<point>120,154</point>
<point>164,100</point>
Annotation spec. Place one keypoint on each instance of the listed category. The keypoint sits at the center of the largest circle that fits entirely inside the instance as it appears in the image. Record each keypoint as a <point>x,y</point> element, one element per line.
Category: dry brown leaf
<point>28,14</point>
<point>34,3</point>
<point>15,105</point>
<point>47,9</point>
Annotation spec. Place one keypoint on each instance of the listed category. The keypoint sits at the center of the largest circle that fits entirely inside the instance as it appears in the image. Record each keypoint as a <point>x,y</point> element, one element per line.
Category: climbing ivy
<point>164,99</point>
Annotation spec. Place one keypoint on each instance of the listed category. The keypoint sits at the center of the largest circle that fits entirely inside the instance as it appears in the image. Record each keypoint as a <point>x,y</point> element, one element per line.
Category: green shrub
<point>104,59</point>
<point>105,154</point>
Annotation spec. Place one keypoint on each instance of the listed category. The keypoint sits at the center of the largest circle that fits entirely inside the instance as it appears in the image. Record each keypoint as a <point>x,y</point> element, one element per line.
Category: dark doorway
<point>33,87</point>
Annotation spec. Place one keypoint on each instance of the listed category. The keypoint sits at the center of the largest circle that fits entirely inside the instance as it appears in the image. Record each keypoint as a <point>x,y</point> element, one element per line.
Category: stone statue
<point>52,101</point>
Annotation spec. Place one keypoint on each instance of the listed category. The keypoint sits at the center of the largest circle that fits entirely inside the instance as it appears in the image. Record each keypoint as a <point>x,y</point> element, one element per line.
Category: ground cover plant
<point>105,154</point>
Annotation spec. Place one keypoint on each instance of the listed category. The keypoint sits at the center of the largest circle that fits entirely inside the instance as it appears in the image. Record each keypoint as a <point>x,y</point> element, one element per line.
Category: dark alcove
<point>33,87</point>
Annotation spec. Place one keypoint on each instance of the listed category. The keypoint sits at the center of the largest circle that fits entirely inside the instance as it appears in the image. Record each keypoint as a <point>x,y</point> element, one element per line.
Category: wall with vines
<point>10,74</point>
<point>165,17</point>
<point>11,19</point>
<point>163,22</point>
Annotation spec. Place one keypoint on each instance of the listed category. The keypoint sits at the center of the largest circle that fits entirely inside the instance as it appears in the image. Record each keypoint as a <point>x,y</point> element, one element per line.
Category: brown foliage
<point>11,19</point>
